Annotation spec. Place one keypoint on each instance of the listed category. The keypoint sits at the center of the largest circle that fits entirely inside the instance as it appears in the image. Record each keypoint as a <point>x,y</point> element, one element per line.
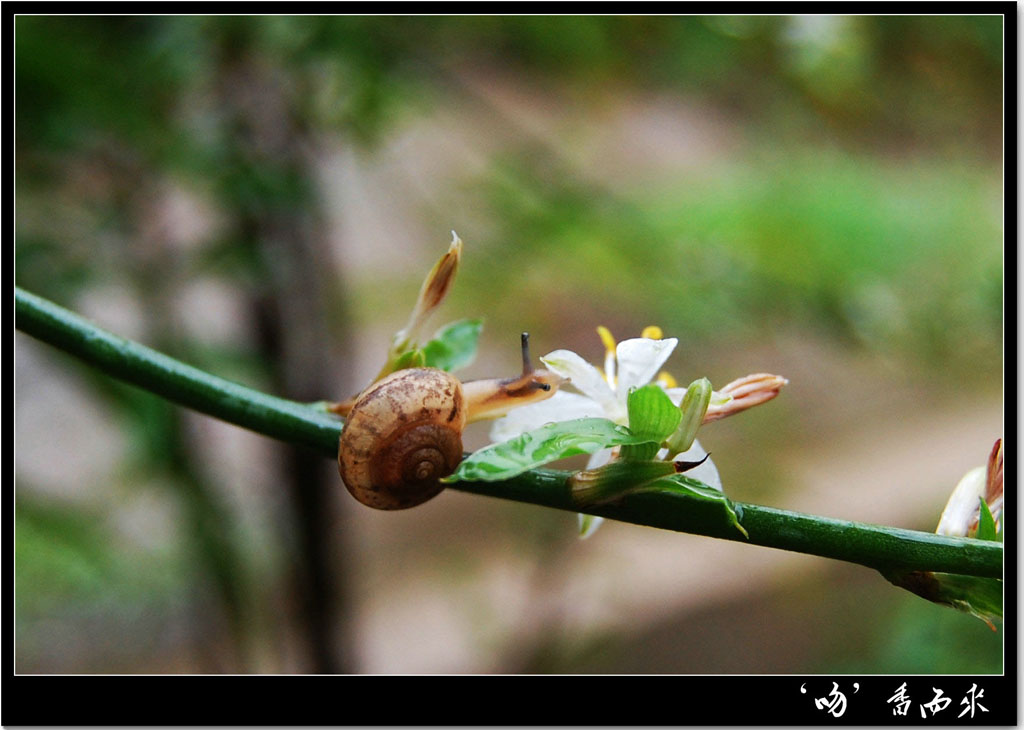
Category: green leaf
<point>540,446</point>
<point>681,484</point>
<point>410,359</point>
<point>651,415</point>
<point>454,345</point>
<point>980,597</point>
<point>986,523</point>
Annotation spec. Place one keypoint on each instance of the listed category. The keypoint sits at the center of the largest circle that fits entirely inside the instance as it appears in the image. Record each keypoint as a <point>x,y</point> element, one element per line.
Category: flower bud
<point>962,512</point>
<point>435,288</point>
<point>963,505</point>
<point>433,291</point>
<point>744,393</point>
<point>994,484</point>
<point>981,487</point>
<point>693,405</point>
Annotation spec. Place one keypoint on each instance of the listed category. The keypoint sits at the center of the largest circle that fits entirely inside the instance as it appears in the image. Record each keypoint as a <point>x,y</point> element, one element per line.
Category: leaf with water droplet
<point>543,445</point>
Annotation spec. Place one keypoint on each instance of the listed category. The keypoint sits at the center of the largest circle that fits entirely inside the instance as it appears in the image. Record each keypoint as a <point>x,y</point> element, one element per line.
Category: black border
<point>498,700</point>
<point>530,700</point>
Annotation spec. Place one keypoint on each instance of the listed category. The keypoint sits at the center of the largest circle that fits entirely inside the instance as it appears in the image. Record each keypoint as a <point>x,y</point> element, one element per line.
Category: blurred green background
<point>819,196</point>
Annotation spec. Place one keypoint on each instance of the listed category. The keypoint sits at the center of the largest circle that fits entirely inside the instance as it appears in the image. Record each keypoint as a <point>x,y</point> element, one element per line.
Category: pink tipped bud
<point>993,486</point>
<point>744,393</point>
<point>435,288</point>
<point>439,281</point>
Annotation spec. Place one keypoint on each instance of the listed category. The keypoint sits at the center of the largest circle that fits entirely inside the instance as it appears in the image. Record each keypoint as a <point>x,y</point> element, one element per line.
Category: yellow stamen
<point>606,338</point>
<point>609,354</point>
<point>667,380</point>
<point>652,332</point>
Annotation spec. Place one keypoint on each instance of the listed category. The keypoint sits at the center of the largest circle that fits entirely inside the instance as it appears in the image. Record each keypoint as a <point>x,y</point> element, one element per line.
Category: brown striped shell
<point>404,433</point>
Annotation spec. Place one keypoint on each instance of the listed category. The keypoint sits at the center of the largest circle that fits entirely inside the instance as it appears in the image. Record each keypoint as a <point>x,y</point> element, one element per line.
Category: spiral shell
<point>403,435</point>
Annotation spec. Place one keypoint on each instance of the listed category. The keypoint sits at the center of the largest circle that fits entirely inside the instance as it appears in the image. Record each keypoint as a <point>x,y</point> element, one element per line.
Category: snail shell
<point>403,435</point>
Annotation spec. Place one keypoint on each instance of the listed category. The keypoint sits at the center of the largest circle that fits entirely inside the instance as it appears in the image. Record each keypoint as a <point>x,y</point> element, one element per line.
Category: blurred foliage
<point>861,248</point>
<point>928,640</point>
<point>67,554</point>
<point>860,206</point>
<point>125,76</point>
<point>74,568</point>
<point>921,638</point>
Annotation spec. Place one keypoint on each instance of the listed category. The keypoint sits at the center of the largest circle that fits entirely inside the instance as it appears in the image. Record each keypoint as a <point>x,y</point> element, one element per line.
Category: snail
<point>403,434</point>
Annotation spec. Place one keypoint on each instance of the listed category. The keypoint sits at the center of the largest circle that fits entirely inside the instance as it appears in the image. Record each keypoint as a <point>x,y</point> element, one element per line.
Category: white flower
<point>627,365</point>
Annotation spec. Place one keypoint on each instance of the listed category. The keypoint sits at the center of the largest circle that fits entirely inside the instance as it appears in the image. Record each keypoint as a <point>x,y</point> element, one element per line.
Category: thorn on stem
<point>682,466</point>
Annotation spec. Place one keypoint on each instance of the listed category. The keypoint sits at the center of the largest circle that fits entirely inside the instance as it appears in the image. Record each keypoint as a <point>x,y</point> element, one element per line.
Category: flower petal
<point>561,406</point>
<point>639,360</point>
<point>600,458</point>
<point>588,380</point>
<point>676,395</point>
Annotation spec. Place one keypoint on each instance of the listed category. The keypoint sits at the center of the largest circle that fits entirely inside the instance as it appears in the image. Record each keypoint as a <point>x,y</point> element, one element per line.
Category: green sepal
<point>588,525</point>
<point>454,346</point>
<point>987,524</point>
<point>651,415</point>
<point>619,478</point>
<point>980,597</point>
<point>541,446</point>
<point>682,484</point>
<point>614,480</point>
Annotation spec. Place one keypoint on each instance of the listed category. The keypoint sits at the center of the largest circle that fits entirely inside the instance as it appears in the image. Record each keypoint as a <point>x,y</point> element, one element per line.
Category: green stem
<point>875,546</point>
<point>183,384</point>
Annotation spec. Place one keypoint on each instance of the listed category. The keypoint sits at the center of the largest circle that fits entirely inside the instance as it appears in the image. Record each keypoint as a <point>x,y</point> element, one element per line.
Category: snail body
<point>403,434</point>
